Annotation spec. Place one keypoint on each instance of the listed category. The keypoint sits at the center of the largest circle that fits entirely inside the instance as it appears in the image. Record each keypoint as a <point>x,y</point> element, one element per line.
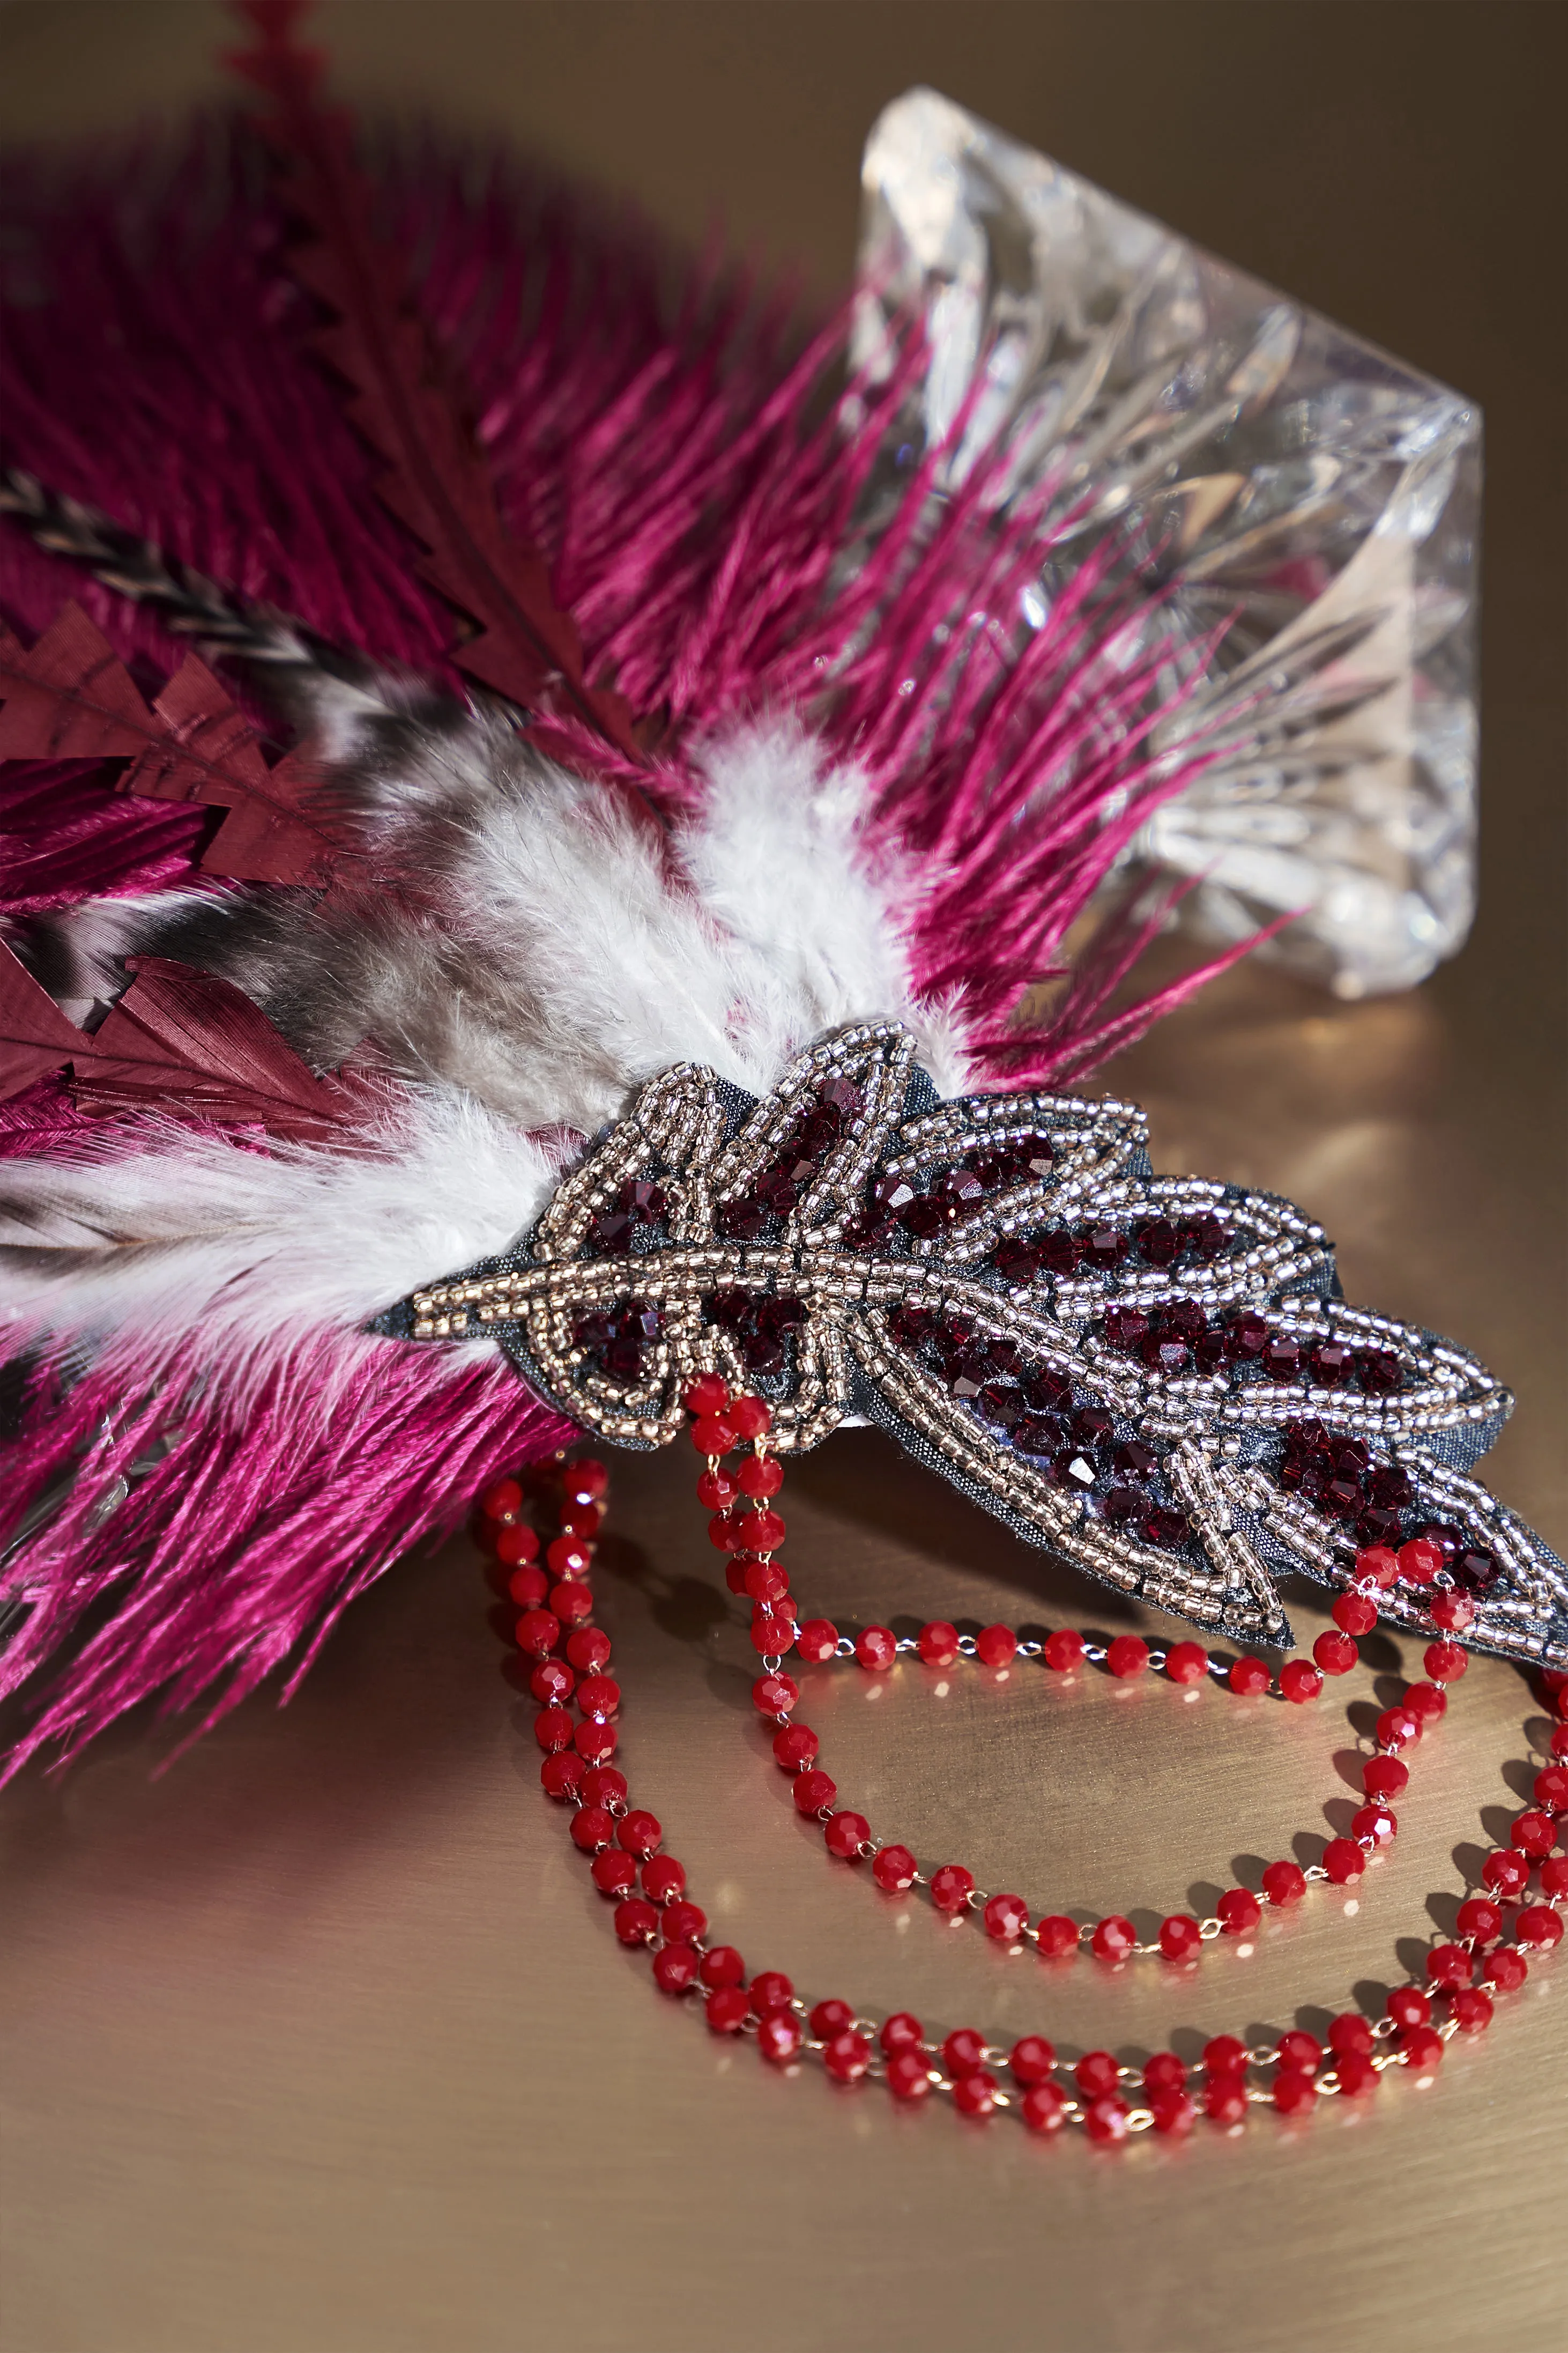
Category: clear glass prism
<point>1305,509</point>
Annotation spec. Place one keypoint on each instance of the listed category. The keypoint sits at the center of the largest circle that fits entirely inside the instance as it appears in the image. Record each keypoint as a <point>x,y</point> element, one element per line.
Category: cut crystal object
<point>1304,508</point>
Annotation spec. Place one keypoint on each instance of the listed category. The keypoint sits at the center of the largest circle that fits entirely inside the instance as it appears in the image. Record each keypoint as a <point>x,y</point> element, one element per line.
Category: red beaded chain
<point>1108,2100</point>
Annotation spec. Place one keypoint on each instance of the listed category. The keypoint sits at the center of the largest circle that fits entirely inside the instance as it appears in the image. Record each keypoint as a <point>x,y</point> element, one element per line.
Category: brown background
<point>320,2045</point>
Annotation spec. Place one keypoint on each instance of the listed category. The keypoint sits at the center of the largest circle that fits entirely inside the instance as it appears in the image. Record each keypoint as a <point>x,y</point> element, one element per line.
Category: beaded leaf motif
<point>1154,1377</point>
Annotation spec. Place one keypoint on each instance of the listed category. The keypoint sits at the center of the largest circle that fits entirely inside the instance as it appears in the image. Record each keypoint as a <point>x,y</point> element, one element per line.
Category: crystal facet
<point>1284,486</point>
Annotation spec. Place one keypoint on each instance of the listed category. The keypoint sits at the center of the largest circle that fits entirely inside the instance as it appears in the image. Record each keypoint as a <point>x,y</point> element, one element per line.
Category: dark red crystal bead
<point>1355,1613</point>
<point>1356,2073</point>
<point>1336,1653</point>
<point>962,2051</point>
<point>502,1498</point>
<point>1172,2112</point>
<point>1426,1701</point>
<point>1554,1878</point>
<point>1449,1965</point>
<point>516,1546</point>
<point>552,1681</point>
<point>684,1923</point>
<point>1301,2050</point>
<point>1397,1727</point>
<point>1373,1825</point>
<point>599,1695</point>
<point>1479,1921</point>
<point>603,1786</point>
<point>527,1588</point>
<point>1444,1662</point>
<point>817,1641</point>
<point>1420,2047</point>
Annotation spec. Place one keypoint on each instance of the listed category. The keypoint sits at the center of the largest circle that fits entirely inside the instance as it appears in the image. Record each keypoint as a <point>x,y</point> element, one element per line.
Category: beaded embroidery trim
<point>1156,1377</point>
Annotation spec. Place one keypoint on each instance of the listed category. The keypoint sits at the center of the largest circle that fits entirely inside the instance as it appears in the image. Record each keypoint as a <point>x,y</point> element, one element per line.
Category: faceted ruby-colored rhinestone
<point>1188,1662</point>
<point>527,1588</point>
<point>876,1647</point>
<point>727,2009</point>
<point>675,1968</point>
<point>951,1887</point>
<point>1449,1965</point>
<point>1249,1677</point>
<point>1238,1912</point>
<point>1479,1920</point>
<point>1377,1564</point>
<point>500,1498</point>
<point>1299,1681</point>
<point>772,1633</point>
<point>684,1923</point>
<point>1336,1653</point>
<point>1126,1327</point>
<point>1015,1262</point>
<point>776,1694</point>
<point>1471,2009</point>
<point>1378,1371</point>
<point>635,1922</point>
<point>1532,1833</point>
<point>1303,2052</point>
<point>1294,2094</point>
<point>846,2056</point>
<point>1105,2119</point>
<point>844,1834</point>
<point>796,1746</point>
<point>1127,1656</point>
<point>1350,2031</point>
<point>592,1828</point>
<point>537,1632</point>
<point>1374,1826</point>
<point>640,1833</point>
<point>1397,1726</point>
<point>1538,1925</point>
<point>723,1965</point>
<point>893,1869</point>
<point>1179,1937</point>
<point>595,1742</point>
<point>938,1643</point>
<point>1505,1967</point>
<point>599,1695</point>
<point>1005,1917</point>
<point>1384,1776</point>
<point>1419,1560</point>
<point>1063,1650</point>
<point>1332,1363</point>
<point>1343,1861</point>
<point>1224,2054</point>
<point>552,1683</point>
<point>779,2037</point>
<point>588,1649</point>
<point>1444,1662</point>
<point>1055,1935</point>
<point>1247,1336</point>
<point>1554,1878</point>
<point>1355,1613</point>
<point>814,1791</point>
<point>817,1641</point>
<point>1113,1938</point>
<point>561,1773</point>
<point>1284,1883</point>
<point>907,2075</point>
<point>1280,1356</point>
<point>663,1878</point>
<point>1356,2073</point>
<point>552,1727</point>
<point>903,2031</point>
<point>764,1580</point>
<point>603,1786</point>
<point>1409,2006</point>
<point>516,1546</point>
<point>996,1646</point>
<point>613,1874</point>
<point>1506,1874</point>
<point>975,2094</point>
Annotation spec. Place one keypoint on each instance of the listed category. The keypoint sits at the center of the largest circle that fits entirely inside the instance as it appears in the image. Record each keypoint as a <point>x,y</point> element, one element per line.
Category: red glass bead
<point>748,1417</point>
<point>1056,1935</point>
<point>1096,2072</point>
<point>908,2078</point>
<point>1554,1878</point>
<point>1172,2112</point>
<point>817,1641</point>
<point>1224,2099</point>
<point>760,1476</point>
<point>603,1786</point>
<point>1294,2094</point>
<point>776,1694</point>
<point>1506,1874</point>
<point>527,1588</point>
<point>996,1646</point>
<point>847,2057</point>
<point>1249,1677</point>
<point>502,1496</point>
<point>1188,1662</point>
<point>1127,1656</point>
<point>727,2009</point>
<point>1551,1788</point>
<point>1284,1883</point>
<point>516,1546</point>
<point>1302,2052</point>
<point>1420,2047</point>
<point>975,2094</point>
<point>1374,1826</point>
<point>1532,1833</point>
<point>1384,1776</point>
<point>1005,1917</point>
<point>1238,1912</point>
<point>816,1793</point>
<point>778,2037</point>
<point>1449,1965</point>
<point>735,1572</point>
<point>844,1834</point>
<point>1224,2054</point>
<point>552,1681</point>
<point>765,1581</point>
<point>1032,2060</point>
<point>770,1990</point>
<point>1355,1613</point>
<point>640,1833</point>
<point>1042,2108</point>
<point>1397,1726</point>
<point>1105,2119</point>
<point>552,1727</point>
<point>711,1435</point>
<point>1343,1861</point>
<point>962,2051</point>
<point>1350,2032</point>
<point>876,1649</point>
<point>796,1746</point>
<point>663,1878</point>
<point>537,1632</point>
<point>951,1887</point>
<point>595,1741</point>
<point>636,1921</point>
<point>716,1491</point>
<point>893,1869</point>
<point>773,1634</point>
<point>903,2031</point>
<point>1444,1662</point>
<point>684,1923</point>
<point>1471,2009</point>
<point>1426,1701</point>
<point>1336,1653</point>
<point>1479,1920</point>
<point>830,2017</point>
<point>569,1558</point>
<point>938,1643</point>
<point>587,1481</point>
<point>594,1827</point>
<point>1112,1939</point>
<point>1538,1925</point>
<point>1377,1564</point>
<point>599,1695</point>
<point>723,1965</point>
<point>707,1394</point>
<point>1409,2006</point>
<point>1299,1680</point>
<point>675,1968</point>
<point>562,1773</point>
<point>1453,1611</point>
<point>571,1602</point>
<point>727,1533</point>
<point>764,1530</point>
<point>613,1874</point>
<point>1420,1560</point>
<point>1164,2072</point>
<point>581,1519</point>
<point>1180,1937</point>
<point>1355,2071</point>
<point>588,1649</point>
<point>1505,1967</point>
<point>1063,1650</point>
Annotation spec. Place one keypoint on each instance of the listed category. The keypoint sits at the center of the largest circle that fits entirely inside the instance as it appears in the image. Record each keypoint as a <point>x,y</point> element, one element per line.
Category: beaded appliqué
<point>1155,1377</point>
